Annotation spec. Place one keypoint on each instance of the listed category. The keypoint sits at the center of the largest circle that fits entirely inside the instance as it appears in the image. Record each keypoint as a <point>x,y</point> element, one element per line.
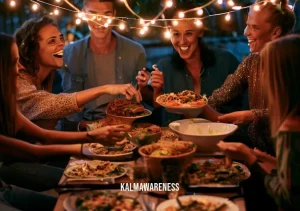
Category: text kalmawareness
<point>149,186</point>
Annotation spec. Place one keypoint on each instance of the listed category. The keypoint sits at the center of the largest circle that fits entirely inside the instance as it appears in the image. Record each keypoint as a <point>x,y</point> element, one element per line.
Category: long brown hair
<point>8,107</point>
<point>280,66</point>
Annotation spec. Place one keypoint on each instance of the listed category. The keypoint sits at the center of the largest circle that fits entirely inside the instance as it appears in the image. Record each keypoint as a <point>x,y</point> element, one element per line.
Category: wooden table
<point>67,188</point>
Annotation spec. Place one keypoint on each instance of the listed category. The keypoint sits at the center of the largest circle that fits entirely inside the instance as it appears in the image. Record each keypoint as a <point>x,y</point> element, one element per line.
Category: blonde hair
<point>281,70</point>
<point>280,14</point>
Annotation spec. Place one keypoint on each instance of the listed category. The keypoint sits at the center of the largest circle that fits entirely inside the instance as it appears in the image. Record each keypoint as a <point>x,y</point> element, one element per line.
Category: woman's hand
<point>109,134</point>
<point>125,89</point>
<point>157,79</point>
<point>264,157</point>
<point>266,161</point>
<point>238,151</point>
<point>238,117</point>
<point>142,78</point>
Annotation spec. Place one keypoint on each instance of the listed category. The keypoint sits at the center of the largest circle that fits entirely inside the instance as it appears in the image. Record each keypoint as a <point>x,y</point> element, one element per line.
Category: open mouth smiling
<point>58,54</point>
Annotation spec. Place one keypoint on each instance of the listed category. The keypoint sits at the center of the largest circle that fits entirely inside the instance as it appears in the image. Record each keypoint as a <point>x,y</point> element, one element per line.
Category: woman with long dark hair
<point>12,122</point>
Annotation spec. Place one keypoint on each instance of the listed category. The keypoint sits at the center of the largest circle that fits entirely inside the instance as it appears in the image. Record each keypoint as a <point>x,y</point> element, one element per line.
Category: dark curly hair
<point>27,40</point>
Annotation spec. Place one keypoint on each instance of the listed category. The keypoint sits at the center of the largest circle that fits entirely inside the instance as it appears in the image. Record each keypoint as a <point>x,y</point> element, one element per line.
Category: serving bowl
<point>148,134</point>
<point>204,134</point>
<point>158,155</point>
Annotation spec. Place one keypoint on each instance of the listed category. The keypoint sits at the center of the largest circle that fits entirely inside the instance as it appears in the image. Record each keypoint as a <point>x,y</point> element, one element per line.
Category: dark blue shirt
<point>177,79</point>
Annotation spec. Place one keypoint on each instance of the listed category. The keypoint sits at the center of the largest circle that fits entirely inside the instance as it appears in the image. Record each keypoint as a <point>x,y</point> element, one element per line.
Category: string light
<point>78,21</point>
<point>142,31</point>
<point>145,28</point>
<point>80,15</point>
<point>109,21</point>
<point>227,17</point>
<point>145,24</point>
<point>169,3</point>
<point>200,12</point>
<point>181,15</point>
<point>122,26</point>
<point>256,7</point>
<point>198,22</point>
<point>237,7</point>
<point>12,3</point>
<point>56,12</point>
<point>167,34</point>
<point>273,1</point>
<point>291,6</point>
<point>34,7</point>
<point>230,3</point>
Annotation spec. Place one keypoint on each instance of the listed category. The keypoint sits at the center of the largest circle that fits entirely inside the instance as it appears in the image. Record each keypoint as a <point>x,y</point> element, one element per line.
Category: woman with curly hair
<point>55,143</point>
<point>41,46</point>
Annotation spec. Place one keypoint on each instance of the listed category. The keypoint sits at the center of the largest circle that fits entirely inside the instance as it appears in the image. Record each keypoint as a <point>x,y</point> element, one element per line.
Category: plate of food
<point>102,200</point>
<point>126,111</point>
<point>103,122</point>
<point>199,203</point>
<point>215,174</point>
<point>120,151</point>
<point>144,133</point>
<point>186,102</point>
<point>95,170</point>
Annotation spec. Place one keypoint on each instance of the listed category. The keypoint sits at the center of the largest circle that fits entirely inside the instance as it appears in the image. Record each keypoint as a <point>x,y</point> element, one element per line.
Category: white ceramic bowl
<point>212,199</point>
<point>204,134</point>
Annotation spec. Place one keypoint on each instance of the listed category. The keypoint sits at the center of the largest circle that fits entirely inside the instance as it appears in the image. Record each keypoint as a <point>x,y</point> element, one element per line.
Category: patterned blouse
<point>284,185</point>
<point>248,75</point>
<point>39,105</point>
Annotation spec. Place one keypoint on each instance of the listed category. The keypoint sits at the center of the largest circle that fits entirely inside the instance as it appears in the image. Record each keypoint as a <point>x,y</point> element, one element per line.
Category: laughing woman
<point>41,46</point>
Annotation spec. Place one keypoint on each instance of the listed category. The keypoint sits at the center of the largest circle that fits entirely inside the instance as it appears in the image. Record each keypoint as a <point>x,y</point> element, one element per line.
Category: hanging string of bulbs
<point>143,24</point>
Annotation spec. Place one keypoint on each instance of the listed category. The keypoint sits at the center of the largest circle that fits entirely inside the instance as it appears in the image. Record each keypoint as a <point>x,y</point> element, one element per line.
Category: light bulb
<point>175,23</point>
<point>12,3</point>
<point>34,7</point>
<point>56,12</point>
<point>256,7</point>
<point>167,34</point>
<point>198,22</point>
<point>122,26</point>
<point>78,21</point>
<point>169,3</point>
<point>227,17</point>
<point>181,15</point>
<point>200,12</point>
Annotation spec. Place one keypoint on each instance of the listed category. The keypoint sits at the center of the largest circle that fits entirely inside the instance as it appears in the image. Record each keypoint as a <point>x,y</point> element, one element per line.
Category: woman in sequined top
<point>280,64</point>
<point>41,45</point>
<point>269,23</point>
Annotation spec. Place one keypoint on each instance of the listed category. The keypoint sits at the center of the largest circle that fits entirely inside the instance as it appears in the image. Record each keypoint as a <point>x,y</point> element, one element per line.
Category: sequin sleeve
<point>39,104</point>
<point>234,84</point>
<point>261,114</point>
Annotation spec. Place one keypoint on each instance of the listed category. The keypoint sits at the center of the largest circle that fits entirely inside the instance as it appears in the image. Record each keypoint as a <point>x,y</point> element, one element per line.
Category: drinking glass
<point>172,172</point>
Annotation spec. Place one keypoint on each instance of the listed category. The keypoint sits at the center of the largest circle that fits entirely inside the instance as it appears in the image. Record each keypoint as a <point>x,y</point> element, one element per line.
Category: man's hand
<point>142,78</point>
